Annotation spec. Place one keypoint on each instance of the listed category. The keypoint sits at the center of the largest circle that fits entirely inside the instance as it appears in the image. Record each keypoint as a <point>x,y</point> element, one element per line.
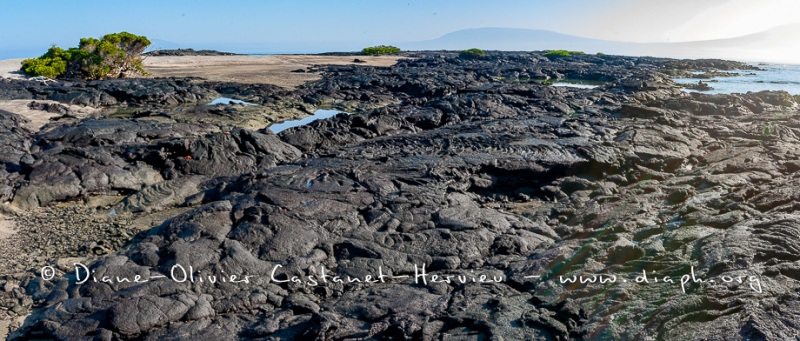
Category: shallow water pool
<point>574,85</point>
<point>227,101</point>
<point>318,115</point>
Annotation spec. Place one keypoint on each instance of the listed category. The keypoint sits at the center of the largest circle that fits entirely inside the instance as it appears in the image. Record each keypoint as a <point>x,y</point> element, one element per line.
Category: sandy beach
<point>274,69</point>
<point>9,68</point>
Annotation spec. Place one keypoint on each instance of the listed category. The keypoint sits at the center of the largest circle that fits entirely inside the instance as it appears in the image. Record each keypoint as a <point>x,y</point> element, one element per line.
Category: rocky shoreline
<point>469,167</point>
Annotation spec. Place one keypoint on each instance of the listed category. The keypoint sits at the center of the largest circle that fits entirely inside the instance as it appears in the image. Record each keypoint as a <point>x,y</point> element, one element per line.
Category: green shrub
<point>115,55</point>
<point>554,54</point>
<point>52,64</point>
<point>379,50</point>
<point>472,53</point>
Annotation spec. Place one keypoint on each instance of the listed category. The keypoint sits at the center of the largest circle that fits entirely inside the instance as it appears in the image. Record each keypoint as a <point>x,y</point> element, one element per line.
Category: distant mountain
<point>509,39</point>
<point>780,44</point>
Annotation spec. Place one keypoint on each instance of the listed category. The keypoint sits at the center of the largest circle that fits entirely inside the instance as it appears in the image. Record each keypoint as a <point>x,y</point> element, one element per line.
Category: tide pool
<point>318,115</point>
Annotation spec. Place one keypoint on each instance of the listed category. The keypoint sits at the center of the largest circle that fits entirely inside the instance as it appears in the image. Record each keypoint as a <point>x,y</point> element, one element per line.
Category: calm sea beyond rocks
<point>461,199</point>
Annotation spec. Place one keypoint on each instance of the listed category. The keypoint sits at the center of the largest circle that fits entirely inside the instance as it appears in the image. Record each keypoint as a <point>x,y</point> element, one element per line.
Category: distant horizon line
<point>447,50</point>
<point>248,51</point>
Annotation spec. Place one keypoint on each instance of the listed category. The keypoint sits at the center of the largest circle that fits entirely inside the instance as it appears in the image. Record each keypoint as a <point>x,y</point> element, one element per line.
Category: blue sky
<point>28,27</point>
<point>257,25</point>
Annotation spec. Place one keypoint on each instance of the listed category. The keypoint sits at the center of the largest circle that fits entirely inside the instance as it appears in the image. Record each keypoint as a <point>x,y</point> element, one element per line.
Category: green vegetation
<point>51,64</point>
<point>767,129</point>
<point>116,55</point>
<point>472,53</point>
<point>554,54</point>
<point>379,50</point>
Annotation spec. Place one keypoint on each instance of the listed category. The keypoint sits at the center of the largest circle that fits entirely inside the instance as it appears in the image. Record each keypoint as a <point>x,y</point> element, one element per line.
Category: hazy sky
<point>684,20</point>
<point>28,27</point>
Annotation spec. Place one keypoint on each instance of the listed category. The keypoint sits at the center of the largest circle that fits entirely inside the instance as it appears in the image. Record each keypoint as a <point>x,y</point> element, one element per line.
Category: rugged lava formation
<point>468,167</point>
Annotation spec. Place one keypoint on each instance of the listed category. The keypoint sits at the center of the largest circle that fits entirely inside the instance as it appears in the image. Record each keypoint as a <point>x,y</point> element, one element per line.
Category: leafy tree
<point>472,53</point>
<point>51,64</point>
<point>379,50</point>
<point>116,55</point>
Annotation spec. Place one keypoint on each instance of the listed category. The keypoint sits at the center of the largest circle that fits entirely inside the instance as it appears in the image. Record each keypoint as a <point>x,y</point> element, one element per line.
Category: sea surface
<point>784,77</point>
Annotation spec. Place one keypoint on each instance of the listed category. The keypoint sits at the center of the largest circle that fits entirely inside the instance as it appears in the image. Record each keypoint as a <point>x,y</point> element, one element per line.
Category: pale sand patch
<point>38,118</point>
<point>8,227</point>
<point>9,326</point>
<point>275,69</point>
<point>9,68</point>
<point>8,321</point>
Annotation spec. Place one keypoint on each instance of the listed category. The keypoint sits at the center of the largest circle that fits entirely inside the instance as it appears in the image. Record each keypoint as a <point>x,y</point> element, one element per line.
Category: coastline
<point>247,69</point>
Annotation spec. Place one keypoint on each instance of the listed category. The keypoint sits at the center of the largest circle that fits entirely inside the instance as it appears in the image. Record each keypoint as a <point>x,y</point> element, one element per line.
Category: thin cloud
<point>736,18</point>
<point>682,20</point>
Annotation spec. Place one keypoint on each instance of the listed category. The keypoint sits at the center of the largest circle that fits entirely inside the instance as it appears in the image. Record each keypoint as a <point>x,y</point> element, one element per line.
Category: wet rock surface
<point>467,168</point>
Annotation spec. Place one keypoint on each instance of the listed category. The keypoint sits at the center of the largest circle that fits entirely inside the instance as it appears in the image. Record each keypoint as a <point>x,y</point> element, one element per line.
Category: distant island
<point>188,52</point>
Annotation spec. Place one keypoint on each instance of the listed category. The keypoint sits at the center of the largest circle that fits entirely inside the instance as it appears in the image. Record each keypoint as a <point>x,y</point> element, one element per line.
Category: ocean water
<point>784,77</point>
